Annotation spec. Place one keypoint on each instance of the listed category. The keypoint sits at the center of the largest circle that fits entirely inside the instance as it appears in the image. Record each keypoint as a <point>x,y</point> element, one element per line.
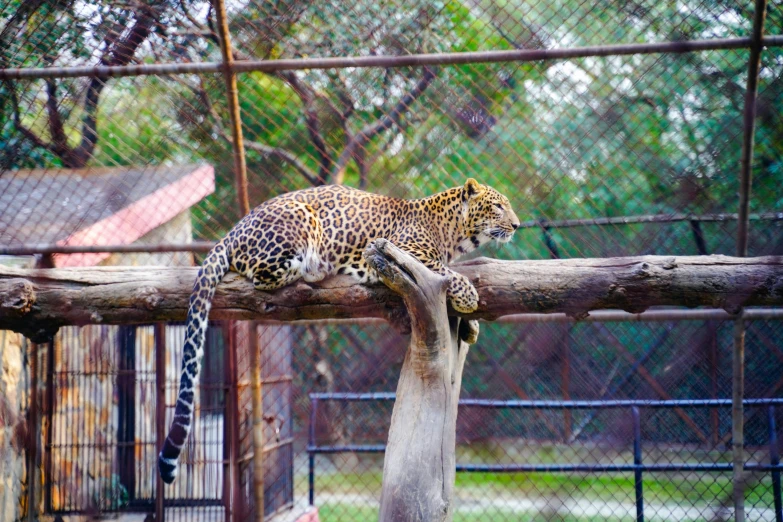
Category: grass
<point>659,488</point>
<point>341,512</point>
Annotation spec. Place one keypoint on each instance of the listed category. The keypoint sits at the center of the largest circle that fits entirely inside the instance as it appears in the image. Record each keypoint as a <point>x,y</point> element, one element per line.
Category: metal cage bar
<point>738,353</point>
<point>410,60</point>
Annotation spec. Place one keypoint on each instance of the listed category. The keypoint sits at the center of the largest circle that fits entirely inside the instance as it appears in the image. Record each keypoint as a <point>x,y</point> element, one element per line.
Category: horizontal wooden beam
<point>37,302</point>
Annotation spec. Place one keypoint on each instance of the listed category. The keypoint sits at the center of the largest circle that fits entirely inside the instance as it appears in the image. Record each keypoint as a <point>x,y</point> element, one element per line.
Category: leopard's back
<point>327,227</point>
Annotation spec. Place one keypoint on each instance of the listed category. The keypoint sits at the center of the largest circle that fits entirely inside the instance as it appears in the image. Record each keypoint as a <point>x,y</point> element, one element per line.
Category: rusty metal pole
<point>738,356</point>
<point>240,177</point>
<point>232,489</point>
<point>49,415</point>
<point>257,394</point>
<point>232,97</point>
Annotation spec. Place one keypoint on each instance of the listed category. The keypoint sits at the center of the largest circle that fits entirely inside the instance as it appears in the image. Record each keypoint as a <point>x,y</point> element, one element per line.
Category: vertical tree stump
<point>419,466</point>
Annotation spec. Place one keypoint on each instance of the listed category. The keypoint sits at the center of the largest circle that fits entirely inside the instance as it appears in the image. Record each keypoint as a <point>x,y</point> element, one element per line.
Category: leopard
<point>322,231</point>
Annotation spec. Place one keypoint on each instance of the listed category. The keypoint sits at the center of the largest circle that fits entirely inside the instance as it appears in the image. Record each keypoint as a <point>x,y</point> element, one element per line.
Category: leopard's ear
<point>472,188</point>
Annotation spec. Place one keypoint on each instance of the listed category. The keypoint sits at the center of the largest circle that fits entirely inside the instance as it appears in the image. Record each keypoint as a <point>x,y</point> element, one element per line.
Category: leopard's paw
<point>463,295</point>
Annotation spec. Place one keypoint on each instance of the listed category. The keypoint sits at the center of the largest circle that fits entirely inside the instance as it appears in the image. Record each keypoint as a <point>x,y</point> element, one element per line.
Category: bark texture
<point>37,302</point>
<point>419,465</point>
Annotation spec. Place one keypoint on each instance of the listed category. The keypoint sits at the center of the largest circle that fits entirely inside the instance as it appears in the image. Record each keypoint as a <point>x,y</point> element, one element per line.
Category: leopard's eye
<point>498,205</point>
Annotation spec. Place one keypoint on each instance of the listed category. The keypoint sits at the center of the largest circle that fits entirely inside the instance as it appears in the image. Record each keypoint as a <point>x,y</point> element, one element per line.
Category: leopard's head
<point>487,213</point>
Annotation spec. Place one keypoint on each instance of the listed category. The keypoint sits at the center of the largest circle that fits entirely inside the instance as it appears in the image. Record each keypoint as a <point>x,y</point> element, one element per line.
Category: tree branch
<point>307,96</point>
<point>119,53</point>
<point>267,150</point>
<point>17,118</point>
<point>192,19</point>
<point>369,162</point>
<point>418,469</point>
<point>361,139</point>
<point>361,164</point>
<point>286,156</point>
<point>43,300</point>
<point>56,129</point>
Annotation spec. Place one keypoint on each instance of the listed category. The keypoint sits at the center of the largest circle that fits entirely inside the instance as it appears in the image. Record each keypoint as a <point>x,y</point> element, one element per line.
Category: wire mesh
<point>686,359</point>
<point>97,160</point>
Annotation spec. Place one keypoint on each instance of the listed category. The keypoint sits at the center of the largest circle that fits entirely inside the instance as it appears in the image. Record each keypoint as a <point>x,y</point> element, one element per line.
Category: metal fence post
<point>231,496</point>
<point>49,413</point>
<point>232,97</point>
<point>637,462</point>
<point>311,452</point>
<point>160,408</point>
<point>746,161</point>
<point>774,460</point>
<point>257,400</point>
<point>565,381</point>
<point>738,418</point>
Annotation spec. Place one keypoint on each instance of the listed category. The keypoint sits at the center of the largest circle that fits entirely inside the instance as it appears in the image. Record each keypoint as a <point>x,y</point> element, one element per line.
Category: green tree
<point>576,138</point>
<point>41,33</point>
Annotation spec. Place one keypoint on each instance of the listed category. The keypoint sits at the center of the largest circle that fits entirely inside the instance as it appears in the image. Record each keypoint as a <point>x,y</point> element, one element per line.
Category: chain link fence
<point>615,130</point>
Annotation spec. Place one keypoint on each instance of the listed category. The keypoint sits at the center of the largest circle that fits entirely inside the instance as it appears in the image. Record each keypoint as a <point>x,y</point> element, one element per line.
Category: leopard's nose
<point>515,225</point>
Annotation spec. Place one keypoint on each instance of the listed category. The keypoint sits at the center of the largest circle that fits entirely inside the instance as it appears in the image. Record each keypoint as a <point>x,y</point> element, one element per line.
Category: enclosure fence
<point>139,132</point>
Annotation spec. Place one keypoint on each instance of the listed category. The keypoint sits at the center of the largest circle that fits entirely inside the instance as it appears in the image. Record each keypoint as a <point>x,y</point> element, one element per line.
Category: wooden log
<point>419,464</point>
<point>37,302</point>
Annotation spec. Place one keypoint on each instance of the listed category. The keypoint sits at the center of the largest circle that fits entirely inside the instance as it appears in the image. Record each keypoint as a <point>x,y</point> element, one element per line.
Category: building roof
<point>96,206</point>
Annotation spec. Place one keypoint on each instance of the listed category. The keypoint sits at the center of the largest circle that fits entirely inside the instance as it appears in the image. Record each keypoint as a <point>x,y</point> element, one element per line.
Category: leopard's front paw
<point>463,295</point>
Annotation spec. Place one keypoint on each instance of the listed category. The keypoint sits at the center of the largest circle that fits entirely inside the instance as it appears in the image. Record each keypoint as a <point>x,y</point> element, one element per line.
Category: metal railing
<point>638,467</point>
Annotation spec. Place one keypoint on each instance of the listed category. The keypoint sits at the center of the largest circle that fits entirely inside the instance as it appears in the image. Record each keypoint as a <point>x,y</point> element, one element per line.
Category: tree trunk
<point>37,302</point>
<point>419,466</point>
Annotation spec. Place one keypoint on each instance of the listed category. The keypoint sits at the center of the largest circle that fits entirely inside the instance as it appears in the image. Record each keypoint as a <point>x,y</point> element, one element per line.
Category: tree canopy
<point>579,138</point>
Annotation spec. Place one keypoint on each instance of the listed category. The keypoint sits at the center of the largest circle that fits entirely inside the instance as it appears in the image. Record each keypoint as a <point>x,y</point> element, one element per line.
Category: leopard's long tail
<point>209,275</point>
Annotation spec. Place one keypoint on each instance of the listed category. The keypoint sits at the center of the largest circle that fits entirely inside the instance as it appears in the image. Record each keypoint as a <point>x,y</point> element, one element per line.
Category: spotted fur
<point>314,233</point>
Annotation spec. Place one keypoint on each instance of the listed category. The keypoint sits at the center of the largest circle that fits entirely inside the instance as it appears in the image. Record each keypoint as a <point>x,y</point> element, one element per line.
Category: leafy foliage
<point>580,138</point>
